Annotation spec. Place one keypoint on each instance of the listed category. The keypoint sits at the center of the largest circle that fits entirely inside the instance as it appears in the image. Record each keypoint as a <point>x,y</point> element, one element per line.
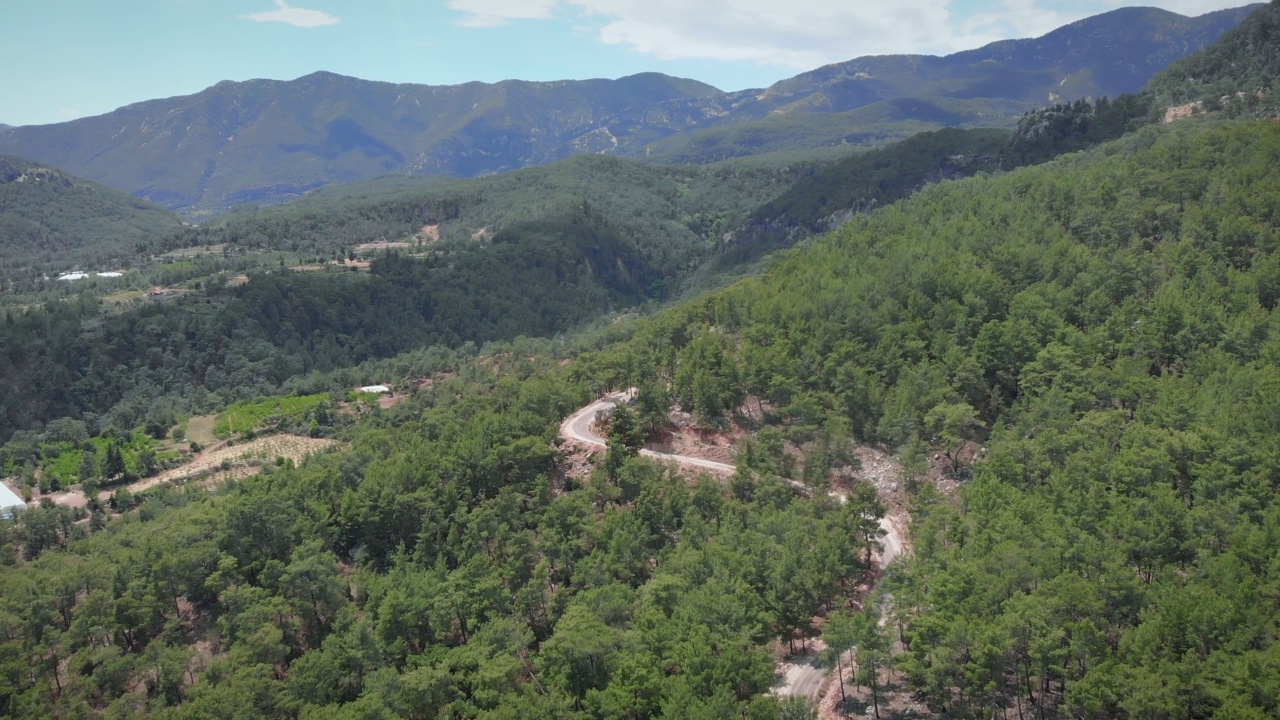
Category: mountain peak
<point>324,76</point>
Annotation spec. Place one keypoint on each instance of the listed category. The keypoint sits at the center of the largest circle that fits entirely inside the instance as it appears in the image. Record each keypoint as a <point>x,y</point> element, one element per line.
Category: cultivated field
<point>254,454</point>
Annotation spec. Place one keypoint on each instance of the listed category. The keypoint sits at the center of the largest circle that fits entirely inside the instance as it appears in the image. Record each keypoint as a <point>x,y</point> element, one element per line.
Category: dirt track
<point>578,427</point>
<point>799,678</point>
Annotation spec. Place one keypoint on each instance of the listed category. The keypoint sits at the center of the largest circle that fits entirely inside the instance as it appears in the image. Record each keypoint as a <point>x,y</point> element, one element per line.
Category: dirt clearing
<point>200,430</point>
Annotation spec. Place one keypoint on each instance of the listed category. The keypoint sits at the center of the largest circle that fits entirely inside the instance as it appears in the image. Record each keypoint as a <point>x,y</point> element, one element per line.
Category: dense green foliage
<point>64,455</point>
<point>235,343</point>
<point>430,571</point>
<point>835,191</point>
<point>1092,344</point>
<point>672,214</point>
<point>1107,326</point>
<point>1049,132</point>
<point>49,220</point>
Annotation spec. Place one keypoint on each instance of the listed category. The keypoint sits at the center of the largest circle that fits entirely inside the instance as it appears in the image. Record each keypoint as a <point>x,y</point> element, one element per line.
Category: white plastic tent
<point>8,501</point>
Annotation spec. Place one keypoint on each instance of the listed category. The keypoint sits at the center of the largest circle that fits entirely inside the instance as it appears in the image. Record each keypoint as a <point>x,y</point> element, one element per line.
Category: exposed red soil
<point>386,402</point>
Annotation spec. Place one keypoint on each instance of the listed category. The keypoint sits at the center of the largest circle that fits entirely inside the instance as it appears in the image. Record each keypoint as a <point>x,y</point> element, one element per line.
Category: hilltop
<point>46,213</point>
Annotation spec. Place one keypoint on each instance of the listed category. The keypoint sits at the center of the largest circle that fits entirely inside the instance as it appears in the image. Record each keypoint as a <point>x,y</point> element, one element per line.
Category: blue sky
<point>63,59</point>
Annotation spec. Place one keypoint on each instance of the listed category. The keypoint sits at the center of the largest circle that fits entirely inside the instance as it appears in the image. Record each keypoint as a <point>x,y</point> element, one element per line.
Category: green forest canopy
<point>1105,324</point>
<point>1109,320</point>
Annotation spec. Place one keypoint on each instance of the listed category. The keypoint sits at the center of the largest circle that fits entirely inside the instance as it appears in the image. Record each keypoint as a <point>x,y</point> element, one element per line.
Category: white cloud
<point>798,33</point>
<point>490,13</point>
<point>295,16</point>
<point>1024,18</point>
<point>807,33</point>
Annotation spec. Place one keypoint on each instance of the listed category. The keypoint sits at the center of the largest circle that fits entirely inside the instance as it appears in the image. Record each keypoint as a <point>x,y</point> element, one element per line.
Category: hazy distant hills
<point>268,141</point>
<point>1107,54</point>
<point>47,215</point>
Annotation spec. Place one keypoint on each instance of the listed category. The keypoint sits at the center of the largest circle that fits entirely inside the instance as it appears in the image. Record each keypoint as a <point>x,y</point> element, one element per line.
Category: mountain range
<point>269,141</point>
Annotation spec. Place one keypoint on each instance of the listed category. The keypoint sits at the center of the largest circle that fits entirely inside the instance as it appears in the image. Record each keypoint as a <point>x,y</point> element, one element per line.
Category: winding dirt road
<point>806,675</point>
<point>578,427</point>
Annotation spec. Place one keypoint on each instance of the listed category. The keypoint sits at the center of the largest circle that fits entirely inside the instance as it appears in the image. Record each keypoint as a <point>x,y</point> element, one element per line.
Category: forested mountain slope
<point>1238,72</point>
<point>534,252</point>
<point>46,213</point>
<point>1234,76</point>
<point>1106,327</point>
<point>674,214</point>
<point>230,342</point>
<point>871,100</point>
<point>431,570</point>
<point>829,196</point>
<point>269,141</point>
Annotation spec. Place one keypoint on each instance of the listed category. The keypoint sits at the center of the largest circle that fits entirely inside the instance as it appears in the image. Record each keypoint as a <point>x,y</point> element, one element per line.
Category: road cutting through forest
<point>803,677</point>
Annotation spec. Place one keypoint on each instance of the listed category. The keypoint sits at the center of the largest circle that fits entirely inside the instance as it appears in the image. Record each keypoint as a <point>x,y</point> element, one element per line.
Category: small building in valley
<point>379,389</point>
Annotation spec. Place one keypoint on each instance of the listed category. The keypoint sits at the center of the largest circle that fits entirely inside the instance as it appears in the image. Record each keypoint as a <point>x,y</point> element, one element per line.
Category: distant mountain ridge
<point>1107,54</point>
<point>269,141</point>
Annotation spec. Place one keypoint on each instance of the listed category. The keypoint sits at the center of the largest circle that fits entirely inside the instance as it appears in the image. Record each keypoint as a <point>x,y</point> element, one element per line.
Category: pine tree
<point>114,466</point>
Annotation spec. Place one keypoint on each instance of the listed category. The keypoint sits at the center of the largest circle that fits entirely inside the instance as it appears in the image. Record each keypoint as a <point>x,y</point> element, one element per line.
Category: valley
<point>899,389</point>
